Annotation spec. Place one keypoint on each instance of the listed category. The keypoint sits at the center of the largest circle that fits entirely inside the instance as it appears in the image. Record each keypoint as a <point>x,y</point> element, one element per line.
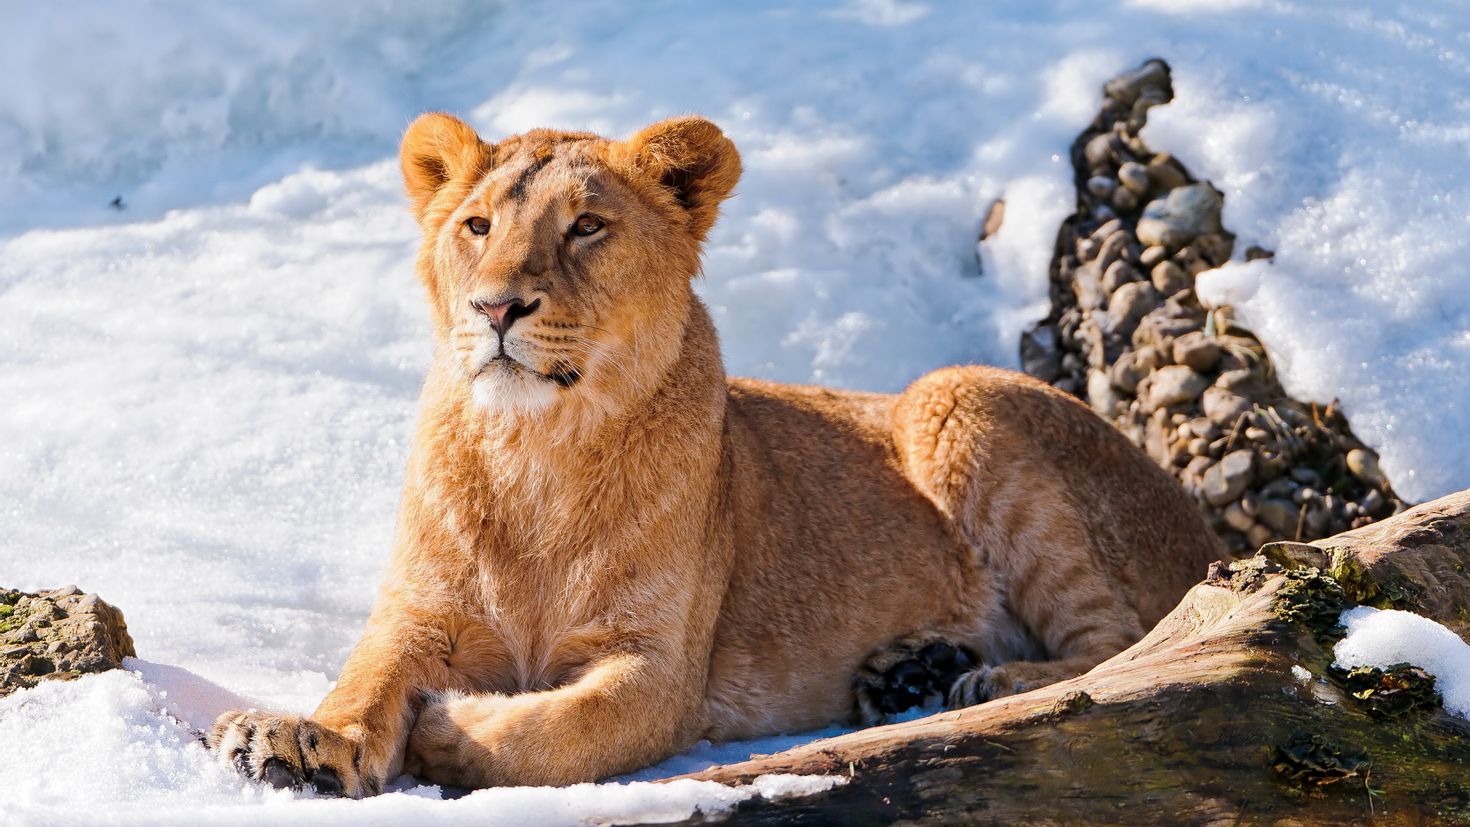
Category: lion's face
<point>558,263</point>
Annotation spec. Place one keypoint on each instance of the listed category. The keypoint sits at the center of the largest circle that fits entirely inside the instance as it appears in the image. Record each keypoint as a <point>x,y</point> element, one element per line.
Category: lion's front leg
<point>353,743</point>
<point>627,712</point>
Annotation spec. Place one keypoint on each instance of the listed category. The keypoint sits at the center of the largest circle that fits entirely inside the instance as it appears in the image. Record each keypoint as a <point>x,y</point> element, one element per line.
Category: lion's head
<point>558,264</point>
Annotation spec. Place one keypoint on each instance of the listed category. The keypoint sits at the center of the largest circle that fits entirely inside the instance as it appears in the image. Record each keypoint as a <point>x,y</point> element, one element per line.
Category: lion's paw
<point>910,672</point>
<point>286,751</point>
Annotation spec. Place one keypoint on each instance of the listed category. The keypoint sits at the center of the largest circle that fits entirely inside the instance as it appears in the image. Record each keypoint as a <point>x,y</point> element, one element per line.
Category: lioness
<point>606,550</point>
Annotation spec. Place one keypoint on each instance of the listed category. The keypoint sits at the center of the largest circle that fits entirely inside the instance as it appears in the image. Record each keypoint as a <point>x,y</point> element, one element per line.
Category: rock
<point>1124,200</point>
<point>1373,501</point>
<point>1040,356</point>
<point>1119,273</point>
<point>1102,150</point>
<point>1128,305</point>
<point>1363,464</point>
<point>1114,248</point>
<point>1223,406</point>
<point>1236,518</point>
<point>1153,255</point>
<point>1181,216</point>
<point>1100,393</point>
<point>1152,76</point>
<point>1196,350</point>
<point>1169,278</point>
<point>1280,515</point>
<point>1166,172</point>
<point>1134,176</point>
<point>994,219</point>
<point>1107,229</point>
<point>1173,385</point>
<point>1254,253</point>
<point>1228,478</point>
<point>1259,535</point>
<point>1087,286</point>
<point>1215,247</point>
<point>57,635</point>
<point>1101,186</point>
<point>1127,372</point>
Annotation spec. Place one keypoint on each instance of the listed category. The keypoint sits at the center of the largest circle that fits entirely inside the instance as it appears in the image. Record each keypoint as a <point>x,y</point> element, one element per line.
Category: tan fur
<point>589,578</point>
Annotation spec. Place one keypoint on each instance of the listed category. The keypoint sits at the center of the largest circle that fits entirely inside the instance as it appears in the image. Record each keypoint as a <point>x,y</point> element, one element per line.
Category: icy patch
<point>1384,637</point>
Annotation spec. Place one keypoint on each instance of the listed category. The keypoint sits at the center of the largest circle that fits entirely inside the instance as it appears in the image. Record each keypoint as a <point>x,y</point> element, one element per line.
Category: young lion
<point>607,551</point>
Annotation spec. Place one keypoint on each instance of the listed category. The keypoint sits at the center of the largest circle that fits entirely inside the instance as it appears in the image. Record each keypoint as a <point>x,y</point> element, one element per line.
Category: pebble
<point>1100,393</point>
<point>1101,150</point>
<point>1197,351</point>
<point>1255,434</point>
<point>1114,248</point>
<point>1280,515</point>
<point>1107,228</point>
<point>1259,535</point>
<point>1128,305</point>
<point>1126,373</point>
<point>1119,273</point>
<point>1153,256</point>
<point>1175,384</point>
<point>1305,476</point>
<point>1215,247</point>
<point>1166,173</point>
<point>1236,518</point>
<point>1199,447</point>
<point>1124,200</point>
<point>1373,501</point>
<point>1228,478</point>
<point>1127,88</point>
<point>1169,278</point>
<point>1363,464</point>
<point>1181,216</point>
<point>1223,406</point>
<point>1134,176</point>
<point>1101,186</point>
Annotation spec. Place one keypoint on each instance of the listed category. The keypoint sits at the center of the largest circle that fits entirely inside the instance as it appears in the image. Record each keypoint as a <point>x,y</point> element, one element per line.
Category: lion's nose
<point>503,312</point>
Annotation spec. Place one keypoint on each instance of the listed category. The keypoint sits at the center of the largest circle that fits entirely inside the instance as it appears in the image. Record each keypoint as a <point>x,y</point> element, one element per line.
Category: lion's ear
<point>437,149</point>
<point>694,160</point>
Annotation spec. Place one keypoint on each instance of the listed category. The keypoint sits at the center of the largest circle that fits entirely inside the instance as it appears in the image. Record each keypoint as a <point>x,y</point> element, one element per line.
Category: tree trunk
<point>1204,721</point>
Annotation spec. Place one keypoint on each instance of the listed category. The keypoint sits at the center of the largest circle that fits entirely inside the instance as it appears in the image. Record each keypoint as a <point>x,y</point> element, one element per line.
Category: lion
<point>606,550</point>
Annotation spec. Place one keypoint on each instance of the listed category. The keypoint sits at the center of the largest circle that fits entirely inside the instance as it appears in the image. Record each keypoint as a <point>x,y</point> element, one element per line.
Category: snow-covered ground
<point>205,396</point>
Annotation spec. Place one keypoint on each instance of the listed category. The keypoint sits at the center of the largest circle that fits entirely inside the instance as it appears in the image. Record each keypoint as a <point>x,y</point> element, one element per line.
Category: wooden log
<point>1207,720</point>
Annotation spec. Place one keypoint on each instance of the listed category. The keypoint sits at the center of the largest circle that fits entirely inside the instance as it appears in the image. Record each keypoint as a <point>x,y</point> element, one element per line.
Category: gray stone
<point>1169,278</point>
<point>1364,465</point>
<point>1165,172</point>
<point>1228,478</point>
<point>1178,218</point>
<point>1280,515</point>
<point>1101,186</point>
<point>1102,150</point>
<point>1124,200</point>
<point>1119,273</point>
<point>1152,76</point>
<point>1134,176</point>
<point>1236,518</point>
<point>1223,407</point>
<point>1196,350</point>
<point>1173,385</point>
<point>1100,393</point>
<point>1128,305</point>
<point>1040,356</point>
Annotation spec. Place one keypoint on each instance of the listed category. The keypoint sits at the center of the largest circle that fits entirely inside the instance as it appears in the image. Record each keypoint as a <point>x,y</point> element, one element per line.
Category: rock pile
<point>1197,391</point>
<point>58,635</point>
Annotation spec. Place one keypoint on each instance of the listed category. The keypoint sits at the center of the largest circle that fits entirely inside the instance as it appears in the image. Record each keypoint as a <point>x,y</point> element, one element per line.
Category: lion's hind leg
<point>914,671</point>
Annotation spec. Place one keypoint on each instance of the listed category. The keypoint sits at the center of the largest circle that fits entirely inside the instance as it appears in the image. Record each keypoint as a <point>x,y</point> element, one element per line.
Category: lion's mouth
<point>563,375</point>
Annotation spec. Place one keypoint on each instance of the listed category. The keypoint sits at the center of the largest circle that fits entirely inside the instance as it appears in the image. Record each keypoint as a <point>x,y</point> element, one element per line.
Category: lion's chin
<point>510,390</point>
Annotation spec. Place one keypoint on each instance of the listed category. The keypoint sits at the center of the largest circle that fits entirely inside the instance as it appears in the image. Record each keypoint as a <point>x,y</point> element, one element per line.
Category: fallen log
<point>1210,719</point>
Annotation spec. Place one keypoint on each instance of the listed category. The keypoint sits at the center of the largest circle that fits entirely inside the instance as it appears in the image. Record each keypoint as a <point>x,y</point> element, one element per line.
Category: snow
<point>1386,637</point>
<point>205,397</point>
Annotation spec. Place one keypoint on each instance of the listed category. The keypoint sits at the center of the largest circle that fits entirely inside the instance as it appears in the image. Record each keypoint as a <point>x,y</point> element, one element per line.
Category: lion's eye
<point>586,225</point>
<point>478,225</point>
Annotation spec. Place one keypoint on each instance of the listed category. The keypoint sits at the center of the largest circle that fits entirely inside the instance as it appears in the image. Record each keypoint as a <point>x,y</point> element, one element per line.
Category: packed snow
<point>1387,637</point>
<point>205,395</point>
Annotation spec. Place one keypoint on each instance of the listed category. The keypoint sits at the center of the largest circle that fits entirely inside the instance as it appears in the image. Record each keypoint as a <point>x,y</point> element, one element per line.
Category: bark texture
<point>1204,721</point>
